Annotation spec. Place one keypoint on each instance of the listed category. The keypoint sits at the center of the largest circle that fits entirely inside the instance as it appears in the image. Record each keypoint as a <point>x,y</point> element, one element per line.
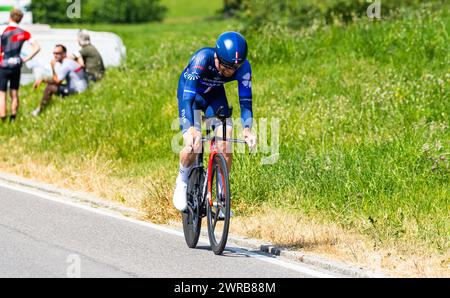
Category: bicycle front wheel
<point>219,213</point>
<point>192,220</point>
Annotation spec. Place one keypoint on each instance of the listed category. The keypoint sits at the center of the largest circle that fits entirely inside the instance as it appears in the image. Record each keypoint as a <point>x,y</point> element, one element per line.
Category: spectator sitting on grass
<point>70,71</point>
<point>89,58</point>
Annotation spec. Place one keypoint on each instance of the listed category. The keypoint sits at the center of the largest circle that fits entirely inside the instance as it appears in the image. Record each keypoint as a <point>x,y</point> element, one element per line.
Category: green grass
<point>364,113</point>
<point>183,9</point>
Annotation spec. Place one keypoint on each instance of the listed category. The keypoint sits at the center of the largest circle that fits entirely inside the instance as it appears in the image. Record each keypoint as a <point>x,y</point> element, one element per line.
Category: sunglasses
<point>57,53</point>
<point>231,66</point>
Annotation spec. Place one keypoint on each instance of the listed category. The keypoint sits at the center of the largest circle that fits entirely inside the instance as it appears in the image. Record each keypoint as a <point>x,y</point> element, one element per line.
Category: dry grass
<point>298,232</point>
<point>280,227</point>
<point>96,176</point>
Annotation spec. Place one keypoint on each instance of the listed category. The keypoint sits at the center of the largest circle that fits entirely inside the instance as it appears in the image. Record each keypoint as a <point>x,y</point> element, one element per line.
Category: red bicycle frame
<point>214,152</point>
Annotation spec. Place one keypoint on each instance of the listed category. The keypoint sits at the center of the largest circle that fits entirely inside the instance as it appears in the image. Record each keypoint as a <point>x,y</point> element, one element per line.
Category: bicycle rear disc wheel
<point>218,214</point>
<point>192,220</point>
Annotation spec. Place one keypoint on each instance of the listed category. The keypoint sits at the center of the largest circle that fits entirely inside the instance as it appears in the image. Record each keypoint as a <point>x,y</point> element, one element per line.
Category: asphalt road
<point>42,236</point>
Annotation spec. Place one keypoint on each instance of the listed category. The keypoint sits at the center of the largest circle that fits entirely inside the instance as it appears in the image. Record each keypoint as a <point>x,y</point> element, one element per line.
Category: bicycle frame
<point>207,183</point>
<point>213,153</point>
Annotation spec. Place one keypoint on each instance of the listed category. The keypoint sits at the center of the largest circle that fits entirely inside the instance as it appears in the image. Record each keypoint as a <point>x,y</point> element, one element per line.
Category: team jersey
<point>12,41</point>
<point>202,77</point>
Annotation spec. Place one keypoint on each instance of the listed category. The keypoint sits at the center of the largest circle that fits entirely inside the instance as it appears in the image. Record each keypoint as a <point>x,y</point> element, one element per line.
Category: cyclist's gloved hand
<point>193,140</point>
<point>250,138</point>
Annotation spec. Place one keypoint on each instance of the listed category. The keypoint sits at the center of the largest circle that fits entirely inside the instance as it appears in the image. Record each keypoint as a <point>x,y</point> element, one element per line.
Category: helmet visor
<point>233,66</point>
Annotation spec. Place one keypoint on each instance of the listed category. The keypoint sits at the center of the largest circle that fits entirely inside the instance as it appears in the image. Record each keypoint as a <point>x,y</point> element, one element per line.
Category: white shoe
<point>36,112</point>
<point>180,196</point>
<point>222,216</point>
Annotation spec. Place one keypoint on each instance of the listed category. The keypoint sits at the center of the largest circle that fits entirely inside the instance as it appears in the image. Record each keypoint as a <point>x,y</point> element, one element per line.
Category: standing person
<point>90,58</point>
<point>70,71</point>
<point>201,87</point>
<point>12,40</point>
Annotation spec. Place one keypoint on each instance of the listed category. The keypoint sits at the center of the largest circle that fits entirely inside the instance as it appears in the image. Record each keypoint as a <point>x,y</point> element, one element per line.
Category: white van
<point>109,45</point>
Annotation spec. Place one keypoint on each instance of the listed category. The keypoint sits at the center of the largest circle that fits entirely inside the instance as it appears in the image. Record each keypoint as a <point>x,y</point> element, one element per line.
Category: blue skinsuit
<point>201,87</point>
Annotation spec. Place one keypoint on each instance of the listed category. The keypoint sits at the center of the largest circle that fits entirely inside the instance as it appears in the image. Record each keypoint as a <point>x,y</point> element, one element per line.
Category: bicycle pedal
<point>222,216</point>
<point>219,218</point>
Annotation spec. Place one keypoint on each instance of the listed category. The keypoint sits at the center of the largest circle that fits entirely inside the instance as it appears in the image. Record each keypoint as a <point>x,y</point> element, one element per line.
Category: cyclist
<point>201,87</point>
<point>12,40</point>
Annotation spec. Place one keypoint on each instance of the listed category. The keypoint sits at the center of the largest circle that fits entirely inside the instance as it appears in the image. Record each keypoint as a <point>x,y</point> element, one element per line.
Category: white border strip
<point>272,260</point>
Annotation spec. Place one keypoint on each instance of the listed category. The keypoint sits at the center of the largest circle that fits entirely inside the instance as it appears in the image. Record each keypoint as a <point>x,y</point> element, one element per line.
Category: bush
<point>295,13</point>
<point>231,7</point>
<point>99,11</point>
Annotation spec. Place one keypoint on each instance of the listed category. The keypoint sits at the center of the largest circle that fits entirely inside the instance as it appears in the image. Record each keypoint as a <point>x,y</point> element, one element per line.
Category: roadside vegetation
<point>97,11</point>
<point>363,170</point>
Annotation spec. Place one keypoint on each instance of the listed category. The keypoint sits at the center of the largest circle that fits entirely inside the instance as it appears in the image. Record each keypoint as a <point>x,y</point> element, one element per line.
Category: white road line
<point>288,265</point>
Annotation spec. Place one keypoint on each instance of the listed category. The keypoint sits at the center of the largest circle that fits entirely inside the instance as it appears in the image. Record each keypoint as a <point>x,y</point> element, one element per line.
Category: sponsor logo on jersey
<point>199,67</point>
<point>210,84</point>
<point>21,37</point>
<point>215,81</point>
<point>193,76</point>
<point>247,80</point>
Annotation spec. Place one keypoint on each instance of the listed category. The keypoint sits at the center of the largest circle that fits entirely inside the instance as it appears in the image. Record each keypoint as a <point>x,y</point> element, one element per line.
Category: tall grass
<point>181,10</point>
<point>365,138</point>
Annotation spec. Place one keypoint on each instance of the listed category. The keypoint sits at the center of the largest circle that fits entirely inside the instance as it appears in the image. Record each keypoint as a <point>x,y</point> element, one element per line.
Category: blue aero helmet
<point>231,49</point>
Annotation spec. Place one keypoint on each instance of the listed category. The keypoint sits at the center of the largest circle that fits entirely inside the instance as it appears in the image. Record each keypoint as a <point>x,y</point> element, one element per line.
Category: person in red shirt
<point>12,40</point>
